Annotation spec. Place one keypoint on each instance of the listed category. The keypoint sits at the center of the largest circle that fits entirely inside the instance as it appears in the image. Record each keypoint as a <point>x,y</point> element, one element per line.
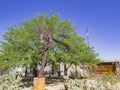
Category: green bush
<point>78,74</point>
<point>10,82</point>
<point>76,84</point>
<point>75,74</point>
<point>113,78</point>
<point>106,82</point>
<point>109,80</point>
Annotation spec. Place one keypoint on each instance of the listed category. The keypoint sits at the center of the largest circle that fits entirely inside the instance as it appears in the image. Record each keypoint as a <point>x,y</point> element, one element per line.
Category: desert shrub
<point>106,82</point>
<point>10,82</point>
<point>78,74</point>
<point>109,81</point>
<point>76,84</point>
<point>75,74</point>
<point>113,78</point>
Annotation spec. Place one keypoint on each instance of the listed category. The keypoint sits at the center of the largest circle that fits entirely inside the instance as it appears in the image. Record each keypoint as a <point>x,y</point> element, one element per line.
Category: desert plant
<point>75,84</point>
<point>109,80</point>
<point>75,74</point>
<point>10,82</point>
<point>106,82</point>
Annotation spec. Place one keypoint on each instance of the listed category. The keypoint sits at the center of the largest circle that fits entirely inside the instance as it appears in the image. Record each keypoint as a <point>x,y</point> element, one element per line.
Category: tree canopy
<point>21,45</point>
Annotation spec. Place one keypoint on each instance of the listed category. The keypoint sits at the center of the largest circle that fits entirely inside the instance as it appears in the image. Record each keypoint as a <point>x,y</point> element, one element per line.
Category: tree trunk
<point>65,69</point>
<point>83,67</point>
<point>1,72</point>
<point>30,69</point>
<point>76,73</point>
<point>35,72</point>
<point>59,72</point>
<point>26,71</point>
<point>53,68</point>
<point>43,63</point>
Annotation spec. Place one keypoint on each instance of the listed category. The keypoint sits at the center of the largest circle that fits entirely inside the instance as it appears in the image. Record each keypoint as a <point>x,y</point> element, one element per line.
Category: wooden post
<point>39,84</point>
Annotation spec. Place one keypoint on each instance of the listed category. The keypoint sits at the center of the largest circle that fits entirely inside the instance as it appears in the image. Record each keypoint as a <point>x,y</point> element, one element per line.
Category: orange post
<point>39,84</point>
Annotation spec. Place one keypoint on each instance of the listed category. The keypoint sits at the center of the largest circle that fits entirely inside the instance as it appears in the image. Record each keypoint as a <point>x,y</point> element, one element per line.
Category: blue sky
<point>102,17</point>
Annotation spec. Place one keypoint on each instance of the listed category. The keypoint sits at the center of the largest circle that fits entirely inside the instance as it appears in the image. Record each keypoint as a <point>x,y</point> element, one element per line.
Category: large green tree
<point>21,45</point>
<point>77,53</point>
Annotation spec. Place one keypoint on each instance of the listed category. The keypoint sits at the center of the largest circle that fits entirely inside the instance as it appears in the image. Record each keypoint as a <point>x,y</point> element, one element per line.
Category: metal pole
<point>87,34</point>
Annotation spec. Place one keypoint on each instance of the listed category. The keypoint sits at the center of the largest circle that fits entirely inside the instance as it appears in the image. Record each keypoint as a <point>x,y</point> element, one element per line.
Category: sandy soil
<point>58,85</point>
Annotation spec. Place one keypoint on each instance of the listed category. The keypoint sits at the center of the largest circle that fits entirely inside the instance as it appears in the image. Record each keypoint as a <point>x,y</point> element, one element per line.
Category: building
<point>107,67</point>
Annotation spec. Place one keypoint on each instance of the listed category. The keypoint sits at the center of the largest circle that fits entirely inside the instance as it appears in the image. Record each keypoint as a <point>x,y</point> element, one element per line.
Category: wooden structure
<point>107,67</point>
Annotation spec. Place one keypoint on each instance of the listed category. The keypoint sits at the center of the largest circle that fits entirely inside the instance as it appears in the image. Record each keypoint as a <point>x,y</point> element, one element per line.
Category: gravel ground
<point>30,88</point>
<point>50,87</point>
<point>60,86</point>
<point>55,86</point>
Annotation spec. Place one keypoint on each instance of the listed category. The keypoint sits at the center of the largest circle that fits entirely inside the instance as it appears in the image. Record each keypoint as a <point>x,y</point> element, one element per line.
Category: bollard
<point>39,84</point>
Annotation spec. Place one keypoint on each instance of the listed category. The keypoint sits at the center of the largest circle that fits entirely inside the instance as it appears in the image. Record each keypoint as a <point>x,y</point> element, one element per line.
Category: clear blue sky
<point>102,17</point>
